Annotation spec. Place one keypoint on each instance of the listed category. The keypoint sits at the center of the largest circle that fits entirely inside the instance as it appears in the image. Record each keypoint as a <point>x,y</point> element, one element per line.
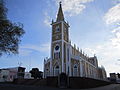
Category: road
<point>25,87</point>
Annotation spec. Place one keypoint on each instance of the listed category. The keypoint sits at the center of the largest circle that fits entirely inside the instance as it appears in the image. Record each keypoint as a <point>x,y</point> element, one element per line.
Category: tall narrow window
<point>57,55</point>
<point>68,54</point>
<point>75,70</point>
<point>56,71</point>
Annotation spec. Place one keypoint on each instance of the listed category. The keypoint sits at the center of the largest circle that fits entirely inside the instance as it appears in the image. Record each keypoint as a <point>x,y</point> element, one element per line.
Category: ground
<point>25,87</point>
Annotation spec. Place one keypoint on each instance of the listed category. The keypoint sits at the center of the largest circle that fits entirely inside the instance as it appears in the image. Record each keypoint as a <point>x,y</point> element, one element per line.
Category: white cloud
<point>113,15</point>
<point>109,52</point>
<point>107,55</point>
<point>73,7</point>
<point>116,39</point>
<point>70,7</point>
<point>47,20</point>
<point>41,48</point>
<point>90,51</point>
<point>111,48</point>
<point>24,52</point>
<point>27,49</point>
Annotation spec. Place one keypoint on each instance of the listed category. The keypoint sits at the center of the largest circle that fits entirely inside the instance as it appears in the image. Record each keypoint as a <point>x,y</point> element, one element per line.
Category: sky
<point>94,28</point>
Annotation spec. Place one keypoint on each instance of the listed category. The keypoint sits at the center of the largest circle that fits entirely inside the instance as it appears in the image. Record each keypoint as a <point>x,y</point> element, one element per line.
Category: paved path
<point>22,87</point>
<point>108,87</point>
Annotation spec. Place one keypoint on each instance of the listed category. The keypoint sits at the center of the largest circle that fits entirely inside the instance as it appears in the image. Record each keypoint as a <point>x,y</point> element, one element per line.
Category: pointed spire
<point>81,50</point>
<point>60,16</point>
<point>74,46</point>
<point>70,41</point>
<point>78,48</point>
<point>52,21</point>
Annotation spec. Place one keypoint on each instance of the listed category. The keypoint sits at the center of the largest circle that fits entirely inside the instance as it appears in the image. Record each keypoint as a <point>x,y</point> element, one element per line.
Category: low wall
<point>52,81</point>
<point>40,82</point>
<point>82,82</point>
<point>73,82</point>
<point>78,82</point>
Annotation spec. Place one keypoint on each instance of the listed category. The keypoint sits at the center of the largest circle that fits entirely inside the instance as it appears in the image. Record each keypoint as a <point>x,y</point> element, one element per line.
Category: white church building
<point>66,58</point>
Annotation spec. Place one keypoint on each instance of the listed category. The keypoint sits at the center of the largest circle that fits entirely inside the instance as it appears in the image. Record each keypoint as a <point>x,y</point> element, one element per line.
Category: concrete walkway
<point>22,87</point>
<point>108,87</point>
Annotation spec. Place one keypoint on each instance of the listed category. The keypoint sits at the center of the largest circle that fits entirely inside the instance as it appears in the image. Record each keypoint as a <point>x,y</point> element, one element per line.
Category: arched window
<point>56,71</point>
<point>57,55</point>
<point>75,70</point>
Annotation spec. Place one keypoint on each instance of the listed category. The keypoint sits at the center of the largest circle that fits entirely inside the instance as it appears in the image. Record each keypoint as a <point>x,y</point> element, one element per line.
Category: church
<point>66,58</point>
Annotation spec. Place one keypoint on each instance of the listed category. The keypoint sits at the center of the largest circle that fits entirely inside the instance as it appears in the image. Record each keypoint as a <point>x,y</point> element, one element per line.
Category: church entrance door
<point>63,80</point>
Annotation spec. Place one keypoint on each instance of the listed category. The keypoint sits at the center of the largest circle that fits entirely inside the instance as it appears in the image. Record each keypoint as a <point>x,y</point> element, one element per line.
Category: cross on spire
<point>60,16</point>
<point>60,2</point>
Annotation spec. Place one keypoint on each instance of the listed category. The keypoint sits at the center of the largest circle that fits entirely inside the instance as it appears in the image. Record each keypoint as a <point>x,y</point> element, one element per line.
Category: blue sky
<point>94,27</point>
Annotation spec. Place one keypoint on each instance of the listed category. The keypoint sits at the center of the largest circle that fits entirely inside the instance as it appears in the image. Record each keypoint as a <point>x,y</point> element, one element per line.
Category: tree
<point>10,33</point>
<point>118,75</point>
<point>36,73</point>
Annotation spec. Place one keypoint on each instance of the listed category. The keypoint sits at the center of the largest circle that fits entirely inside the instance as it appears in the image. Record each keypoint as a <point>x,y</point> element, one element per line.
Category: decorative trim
<point>62,49</point>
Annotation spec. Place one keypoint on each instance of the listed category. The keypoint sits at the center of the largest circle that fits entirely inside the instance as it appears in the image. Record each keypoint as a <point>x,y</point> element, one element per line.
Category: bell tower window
<point>57,29</point>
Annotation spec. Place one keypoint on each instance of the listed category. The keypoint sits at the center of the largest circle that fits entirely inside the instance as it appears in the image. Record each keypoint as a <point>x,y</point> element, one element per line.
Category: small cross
<point>60,2</point>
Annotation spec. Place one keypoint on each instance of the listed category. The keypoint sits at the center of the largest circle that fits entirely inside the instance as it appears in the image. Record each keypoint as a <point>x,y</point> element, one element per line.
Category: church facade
<point>66,58</point>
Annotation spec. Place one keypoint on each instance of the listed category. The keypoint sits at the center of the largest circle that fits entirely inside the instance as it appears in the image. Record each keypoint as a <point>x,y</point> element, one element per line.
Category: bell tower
<point>59,43</point>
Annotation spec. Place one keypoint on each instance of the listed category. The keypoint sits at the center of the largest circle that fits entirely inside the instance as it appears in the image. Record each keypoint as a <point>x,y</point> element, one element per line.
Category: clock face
<point>57,48</point>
